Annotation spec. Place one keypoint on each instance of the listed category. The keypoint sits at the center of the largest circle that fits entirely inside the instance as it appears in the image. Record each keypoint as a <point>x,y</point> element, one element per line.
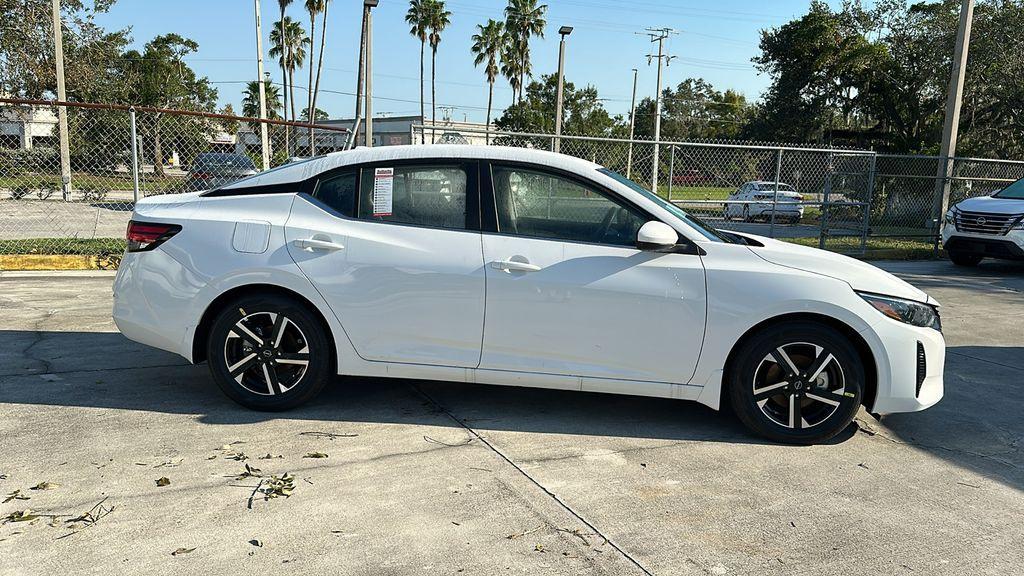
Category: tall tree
<point>314,7</point>
<point>488,43</point>
<point>438,20</point>
<point>251,102</point>
<point>418,19</point>
<point>162,79</point>
<point>320,58</point>
<point>290,50</point>
<point>283,5</point>
<point>524,19</point>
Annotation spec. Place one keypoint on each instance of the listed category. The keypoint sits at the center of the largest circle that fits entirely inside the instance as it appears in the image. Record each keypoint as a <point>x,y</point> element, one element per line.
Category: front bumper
<point>910,362</point>
<point>1007,247</point>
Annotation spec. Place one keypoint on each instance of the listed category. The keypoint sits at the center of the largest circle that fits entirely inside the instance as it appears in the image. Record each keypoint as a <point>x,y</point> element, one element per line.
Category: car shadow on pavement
<point>106,370</point>
<point>978,423</point>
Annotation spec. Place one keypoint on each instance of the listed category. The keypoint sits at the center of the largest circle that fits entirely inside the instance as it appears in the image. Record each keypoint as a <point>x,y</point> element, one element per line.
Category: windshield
<point>694,222</point>
<point>1014,191</point>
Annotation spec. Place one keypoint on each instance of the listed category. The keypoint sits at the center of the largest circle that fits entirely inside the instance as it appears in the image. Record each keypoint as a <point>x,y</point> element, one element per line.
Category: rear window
<point>224,160</point>
<point>770,186</point>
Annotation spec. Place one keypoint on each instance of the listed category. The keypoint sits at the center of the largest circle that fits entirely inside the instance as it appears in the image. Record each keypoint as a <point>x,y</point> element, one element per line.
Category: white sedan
<point>518,267</point>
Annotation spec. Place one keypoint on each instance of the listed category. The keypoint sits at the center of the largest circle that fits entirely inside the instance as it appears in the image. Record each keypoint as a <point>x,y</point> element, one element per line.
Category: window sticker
<point>383,191</point>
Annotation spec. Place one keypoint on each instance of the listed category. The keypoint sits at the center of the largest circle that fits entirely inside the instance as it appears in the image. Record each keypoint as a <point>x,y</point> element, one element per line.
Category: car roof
<point>299,171</point>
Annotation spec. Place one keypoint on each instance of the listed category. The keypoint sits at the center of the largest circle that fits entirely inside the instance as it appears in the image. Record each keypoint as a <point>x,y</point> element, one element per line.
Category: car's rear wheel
<point>798,383</point>
<point>964,258</point>
<point>268,352</point>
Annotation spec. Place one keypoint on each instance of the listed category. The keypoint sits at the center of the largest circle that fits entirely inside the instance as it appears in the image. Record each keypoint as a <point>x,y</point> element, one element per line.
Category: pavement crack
<point>532,480</point>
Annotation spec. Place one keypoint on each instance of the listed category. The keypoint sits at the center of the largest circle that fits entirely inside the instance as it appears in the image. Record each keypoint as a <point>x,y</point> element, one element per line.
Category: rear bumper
<point>142,279</point>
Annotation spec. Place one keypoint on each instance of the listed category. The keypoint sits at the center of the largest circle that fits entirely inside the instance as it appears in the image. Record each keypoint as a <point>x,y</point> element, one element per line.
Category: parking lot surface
<point>445,478</point>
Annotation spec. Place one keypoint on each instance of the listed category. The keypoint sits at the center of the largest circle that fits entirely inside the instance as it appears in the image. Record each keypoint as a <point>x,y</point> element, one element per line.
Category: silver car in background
<point>212,170</point>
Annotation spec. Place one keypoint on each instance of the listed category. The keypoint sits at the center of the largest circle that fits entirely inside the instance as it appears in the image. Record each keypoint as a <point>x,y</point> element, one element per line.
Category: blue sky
<point>716,41</point>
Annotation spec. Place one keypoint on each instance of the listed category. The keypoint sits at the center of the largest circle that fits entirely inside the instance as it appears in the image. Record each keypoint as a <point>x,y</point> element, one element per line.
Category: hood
<point>993,205</point>
<point>859,275</point>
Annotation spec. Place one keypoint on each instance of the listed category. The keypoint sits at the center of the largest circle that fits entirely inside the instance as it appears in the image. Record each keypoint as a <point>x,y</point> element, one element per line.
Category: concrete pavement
<point>446,478</point>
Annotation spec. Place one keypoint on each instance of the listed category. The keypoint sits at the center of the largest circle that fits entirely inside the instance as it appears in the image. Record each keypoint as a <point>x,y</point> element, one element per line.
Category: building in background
<point>27,127</point>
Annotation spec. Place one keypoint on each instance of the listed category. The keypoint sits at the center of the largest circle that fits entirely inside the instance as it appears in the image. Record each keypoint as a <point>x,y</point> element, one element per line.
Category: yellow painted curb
<point>58,262</point>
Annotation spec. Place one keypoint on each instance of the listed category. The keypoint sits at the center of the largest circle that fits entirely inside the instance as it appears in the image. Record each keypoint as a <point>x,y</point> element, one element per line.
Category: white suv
<point>986,227</point>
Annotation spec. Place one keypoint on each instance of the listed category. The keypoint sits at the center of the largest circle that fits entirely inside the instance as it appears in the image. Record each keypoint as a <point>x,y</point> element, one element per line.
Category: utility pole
<point>264,137</point>
<point>632,125</point>
<point>658,35</point>
<point>62,111</point>
<point>370,5</point>
<point>951,124</point>
<point>354,135</point>
<point>563,32</point>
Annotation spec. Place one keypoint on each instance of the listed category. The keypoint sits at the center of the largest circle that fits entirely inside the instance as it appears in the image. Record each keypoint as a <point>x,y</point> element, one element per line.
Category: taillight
<point>144,236</point>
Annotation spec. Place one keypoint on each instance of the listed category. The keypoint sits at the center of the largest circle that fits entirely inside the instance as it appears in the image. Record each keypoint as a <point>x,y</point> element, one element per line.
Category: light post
<point>563,32</point>
<point>264,137</point>
<point>632,125</point>
<point>369,5</point>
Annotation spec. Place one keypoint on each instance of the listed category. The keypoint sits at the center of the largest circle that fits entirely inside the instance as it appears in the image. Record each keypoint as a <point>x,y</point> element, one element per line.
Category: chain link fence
<point>116,155</point>
<point>851,201</point>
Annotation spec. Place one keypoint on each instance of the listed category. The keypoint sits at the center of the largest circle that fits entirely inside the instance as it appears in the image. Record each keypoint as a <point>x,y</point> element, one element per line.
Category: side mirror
<point>656,235</point>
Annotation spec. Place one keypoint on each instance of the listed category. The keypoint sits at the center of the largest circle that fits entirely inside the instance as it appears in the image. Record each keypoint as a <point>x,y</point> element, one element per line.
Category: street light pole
<point>632,125</point>
<point>369,5</point>
<point>563,32</point>
<point>951,124</point>
<point>264,137</point>
<point>62,111</point>
<point>658,35</point>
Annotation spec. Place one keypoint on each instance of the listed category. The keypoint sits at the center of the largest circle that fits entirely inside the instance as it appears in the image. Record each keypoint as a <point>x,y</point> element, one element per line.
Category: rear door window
<point>420,195</point>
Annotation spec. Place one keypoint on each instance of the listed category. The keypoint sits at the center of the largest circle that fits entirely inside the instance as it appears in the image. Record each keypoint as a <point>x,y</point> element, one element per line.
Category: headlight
<point>951,216</point>
<point>906,311</point>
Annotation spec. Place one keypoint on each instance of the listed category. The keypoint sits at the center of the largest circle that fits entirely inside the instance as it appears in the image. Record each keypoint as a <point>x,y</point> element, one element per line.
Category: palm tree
<point>251,102</point>
<point>524,19</point>
<point>320,60</point>
<point>283,4</point>
<point>418,19</point>
<point>290,52</point>
<point>438,20</point>
<point>488,43</point>
<point>314,7</point>
<point>510,64</point>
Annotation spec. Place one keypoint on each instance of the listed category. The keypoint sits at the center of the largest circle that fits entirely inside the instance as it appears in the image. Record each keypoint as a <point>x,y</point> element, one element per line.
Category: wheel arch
<point>202,331</point>
<point>863,350</point>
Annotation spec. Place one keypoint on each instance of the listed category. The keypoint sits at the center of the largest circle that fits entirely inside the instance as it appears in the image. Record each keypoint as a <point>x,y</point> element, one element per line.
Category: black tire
<point>802,411</point>
<point>300,337</point>
<point>964,258</point>
<point>746,214</point>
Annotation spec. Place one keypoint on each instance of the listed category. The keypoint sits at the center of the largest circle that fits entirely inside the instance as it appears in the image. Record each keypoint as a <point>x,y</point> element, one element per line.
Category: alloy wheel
<point>799,385</point>
<point>266,353</point>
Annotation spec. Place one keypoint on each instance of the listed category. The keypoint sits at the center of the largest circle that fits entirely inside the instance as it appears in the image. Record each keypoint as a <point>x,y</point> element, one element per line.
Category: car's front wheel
<point>268,352</point>
<point>798,383</point>
<point>964,258</point>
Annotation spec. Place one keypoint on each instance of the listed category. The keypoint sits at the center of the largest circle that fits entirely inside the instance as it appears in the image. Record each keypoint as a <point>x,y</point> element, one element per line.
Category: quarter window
<point>338,192</point>
<point>432,196</point>
<point>542,205</point>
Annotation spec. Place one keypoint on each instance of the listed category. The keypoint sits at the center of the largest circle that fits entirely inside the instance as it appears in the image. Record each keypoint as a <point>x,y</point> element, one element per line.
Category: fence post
<point>775,196</point>
<point>872,167</point>
<point>135,156</point>
<point>823,217</point>
<point>671,170</point>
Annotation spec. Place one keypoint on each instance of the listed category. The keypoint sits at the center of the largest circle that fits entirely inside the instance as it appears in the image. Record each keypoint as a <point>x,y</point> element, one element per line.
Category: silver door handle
<point>513,266</point>
<point>314,244</point>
